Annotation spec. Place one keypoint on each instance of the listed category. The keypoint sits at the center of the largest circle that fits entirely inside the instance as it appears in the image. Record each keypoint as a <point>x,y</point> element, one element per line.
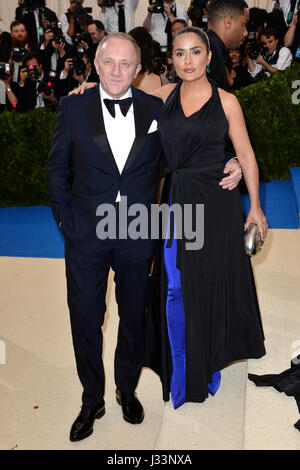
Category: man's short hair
<point>179,20</point>
<point>218,9</point>
<point>125,36</point>
<point>16,23</point>
<point>99,24</point>
<point>268,32</point>
<point>30,56</point>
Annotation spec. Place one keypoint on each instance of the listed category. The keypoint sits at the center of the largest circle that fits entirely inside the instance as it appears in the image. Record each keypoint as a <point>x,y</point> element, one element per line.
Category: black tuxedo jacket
<point>79,141</point>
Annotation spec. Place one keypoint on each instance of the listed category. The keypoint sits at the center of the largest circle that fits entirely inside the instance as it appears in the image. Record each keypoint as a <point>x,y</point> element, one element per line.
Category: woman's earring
<point>208,69</point>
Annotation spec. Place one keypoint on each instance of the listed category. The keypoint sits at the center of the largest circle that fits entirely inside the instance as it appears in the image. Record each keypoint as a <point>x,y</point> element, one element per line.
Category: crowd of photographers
<point>43,57</point>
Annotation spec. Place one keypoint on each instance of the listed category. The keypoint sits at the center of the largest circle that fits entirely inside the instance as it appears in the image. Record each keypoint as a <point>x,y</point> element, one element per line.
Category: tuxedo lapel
<point>142,123</point>
<point>96,122</point>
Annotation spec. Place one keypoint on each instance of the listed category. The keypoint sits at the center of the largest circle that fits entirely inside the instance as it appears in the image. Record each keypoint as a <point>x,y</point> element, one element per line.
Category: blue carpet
<point>32,231</point>
<point>295,180</point>
<point>278,203</point>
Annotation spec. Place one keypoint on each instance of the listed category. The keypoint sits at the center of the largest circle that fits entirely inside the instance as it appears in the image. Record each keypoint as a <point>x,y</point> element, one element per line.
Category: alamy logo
<point>2,352</point>
<point>140,222</point>
<point>296,94</point>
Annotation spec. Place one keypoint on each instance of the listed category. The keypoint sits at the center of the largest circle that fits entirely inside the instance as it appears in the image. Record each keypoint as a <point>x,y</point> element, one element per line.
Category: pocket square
<point>153,127</point>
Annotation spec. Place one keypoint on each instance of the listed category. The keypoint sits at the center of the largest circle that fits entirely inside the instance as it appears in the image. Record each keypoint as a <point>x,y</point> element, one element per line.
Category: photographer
<point>292,36</point>
<point>158,22</point>
<point>20,46</point>
<point>35,90</point>
<point>35,15</point>
<point>54,50</point>
<point>75,20</point>
<point>271,57</point>
<point>197,13</point>
<point>8,99</point>
<point>118,15</point>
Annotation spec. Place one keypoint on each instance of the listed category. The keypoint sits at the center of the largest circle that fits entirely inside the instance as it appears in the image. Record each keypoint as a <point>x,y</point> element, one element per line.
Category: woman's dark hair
<point>145,42</point>
<point>193,29</point>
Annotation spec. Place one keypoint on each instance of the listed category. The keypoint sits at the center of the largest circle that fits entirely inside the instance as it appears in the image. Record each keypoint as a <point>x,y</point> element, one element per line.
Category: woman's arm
<point>244,151</point>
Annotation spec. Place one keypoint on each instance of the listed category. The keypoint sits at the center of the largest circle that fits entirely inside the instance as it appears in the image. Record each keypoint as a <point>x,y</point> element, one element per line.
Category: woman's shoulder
<point>228,99</point>
<point>163,92</point>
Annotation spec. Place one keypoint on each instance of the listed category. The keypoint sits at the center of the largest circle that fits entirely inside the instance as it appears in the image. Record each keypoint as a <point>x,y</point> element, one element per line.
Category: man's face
<point>19,35</point>
<point>95,34</point>
<point>34,63</point>
<point>176,27</point>
<point>238,30</point>
<point>116,65</point>
<point>269,42</point>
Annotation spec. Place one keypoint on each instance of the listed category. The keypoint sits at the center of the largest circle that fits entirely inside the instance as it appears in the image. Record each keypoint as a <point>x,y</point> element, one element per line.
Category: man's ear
<point>227,20</point>
<point>138,69</point>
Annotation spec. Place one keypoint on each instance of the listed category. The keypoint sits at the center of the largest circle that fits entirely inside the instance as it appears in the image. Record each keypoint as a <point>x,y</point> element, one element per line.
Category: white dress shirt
<point>110,18</point>
<point>285,6</point>
<point>120,130</point>
<point>159,21</point>
<point>284,60</point>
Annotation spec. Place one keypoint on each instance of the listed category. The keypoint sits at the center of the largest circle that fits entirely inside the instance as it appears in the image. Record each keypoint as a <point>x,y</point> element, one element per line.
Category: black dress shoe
<point>132,409</point>
<point>83,424</point>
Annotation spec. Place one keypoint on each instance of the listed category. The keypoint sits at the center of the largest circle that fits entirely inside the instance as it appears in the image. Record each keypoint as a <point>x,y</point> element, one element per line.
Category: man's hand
<point>51,97</point>
<point>23,76</point>
<point>230,182</point>
<point>260,60</point>
<point>48,36</point>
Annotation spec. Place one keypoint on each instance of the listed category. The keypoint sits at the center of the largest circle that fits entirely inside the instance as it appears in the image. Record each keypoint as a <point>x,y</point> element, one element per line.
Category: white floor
<point>40,393</point>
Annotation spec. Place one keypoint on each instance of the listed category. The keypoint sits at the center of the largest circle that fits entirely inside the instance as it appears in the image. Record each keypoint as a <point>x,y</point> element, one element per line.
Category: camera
<point>80,11</point>
<point>45,87</point>
<point>33,73</point>
<point>4,71</point>
<point>196,11</point>
<point>255,48</point>
<point>84,36</point>
<point>158,6</point>
<point>56,30</point>
<point>19,53</point>
<point>107,3</point>
<point>79,66</point>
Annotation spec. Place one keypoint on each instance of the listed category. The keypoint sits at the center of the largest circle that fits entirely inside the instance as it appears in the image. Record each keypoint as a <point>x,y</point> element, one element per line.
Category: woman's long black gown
<point>210,314</point>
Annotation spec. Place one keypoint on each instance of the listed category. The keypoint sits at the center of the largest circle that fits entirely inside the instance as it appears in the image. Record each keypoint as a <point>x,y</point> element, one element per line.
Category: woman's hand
<point>230,182</point>
<point>256,216</point>
<point>81,89</point>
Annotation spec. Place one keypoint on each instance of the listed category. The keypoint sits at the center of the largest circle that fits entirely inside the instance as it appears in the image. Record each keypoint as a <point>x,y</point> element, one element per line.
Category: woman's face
<point>235,56</point>
<point>190,57</point>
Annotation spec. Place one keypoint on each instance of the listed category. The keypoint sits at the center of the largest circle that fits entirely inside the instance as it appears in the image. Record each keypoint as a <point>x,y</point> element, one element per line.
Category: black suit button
<point>121,178</point>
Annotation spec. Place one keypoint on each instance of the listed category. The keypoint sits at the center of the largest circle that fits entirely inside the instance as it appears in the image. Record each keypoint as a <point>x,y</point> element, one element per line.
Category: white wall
<point>7,8</point>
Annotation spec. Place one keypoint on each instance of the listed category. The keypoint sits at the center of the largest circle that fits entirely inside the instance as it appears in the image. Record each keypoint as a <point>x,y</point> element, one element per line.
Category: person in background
<point>237,70</point>
<point>292,36</point>
<point>275,57</point>
<point>36,16</point>
<point>29,92</point>
<point>120,17</point>
<point>227,29</point>
<point>160,24</point>
<point>146,79</point>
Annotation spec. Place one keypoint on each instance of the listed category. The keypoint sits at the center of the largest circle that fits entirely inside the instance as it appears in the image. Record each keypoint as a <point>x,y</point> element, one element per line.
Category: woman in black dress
<point>210,315</point>
<point>210,312</point>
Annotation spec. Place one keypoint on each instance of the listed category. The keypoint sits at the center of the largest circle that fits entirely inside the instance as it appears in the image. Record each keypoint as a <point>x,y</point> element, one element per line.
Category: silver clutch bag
<point>253,242</point>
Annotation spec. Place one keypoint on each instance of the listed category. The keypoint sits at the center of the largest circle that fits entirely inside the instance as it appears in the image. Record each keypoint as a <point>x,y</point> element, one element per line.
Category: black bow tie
<point>124,105</point>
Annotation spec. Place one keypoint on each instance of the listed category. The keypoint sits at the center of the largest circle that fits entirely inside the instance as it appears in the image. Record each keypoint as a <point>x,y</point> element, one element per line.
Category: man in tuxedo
<point>109,135</point>
<point>111,157</point>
